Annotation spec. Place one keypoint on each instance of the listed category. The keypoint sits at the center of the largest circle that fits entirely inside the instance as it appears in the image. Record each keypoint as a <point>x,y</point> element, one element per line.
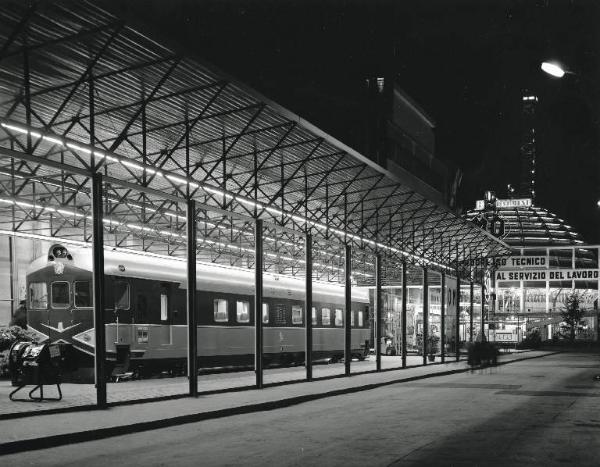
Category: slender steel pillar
<point>457,324</point>
<point>192,318</point>
<point>98,283</point>
<point>378,312</point>
<point>347,327</point>
<point>403,315</point>
<point>471,302</point>
<point>493,298</point>
<point>425,314</point>
<point>258,293</point>
<point>443,317</point>
<point>308,300</point>
<point>482,307</point>
<point>12,275</point>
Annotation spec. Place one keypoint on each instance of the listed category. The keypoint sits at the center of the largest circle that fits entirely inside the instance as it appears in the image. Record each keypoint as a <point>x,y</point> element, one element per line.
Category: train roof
<point>213,277</point>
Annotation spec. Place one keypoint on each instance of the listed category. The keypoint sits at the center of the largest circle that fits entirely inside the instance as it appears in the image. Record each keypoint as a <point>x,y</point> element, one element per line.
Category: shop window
<point>296,314</point>
<point>121,295</point>
<point>243,311</point>
<point>164,307</point>
<point>314,315</point>
<point>38,296</point>
<point>360,319</point>
<point>83,294</point>
<point>60,294</point>
<point>339,317</point>
<point>326,316</point>
<point>220,310</point>
<point>142,335</point>
<point>265,313</point>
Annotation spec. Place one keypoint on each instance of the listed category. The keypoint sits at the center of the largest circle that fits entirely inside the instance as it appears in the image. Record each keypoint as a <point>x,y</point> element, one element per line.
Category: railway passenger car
<point>145,313</point>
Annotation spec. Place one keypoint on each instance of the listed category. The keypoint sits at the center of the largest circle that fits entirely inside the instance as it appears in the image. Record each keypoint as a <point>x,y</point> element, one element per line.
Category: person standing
<point>20,317</point>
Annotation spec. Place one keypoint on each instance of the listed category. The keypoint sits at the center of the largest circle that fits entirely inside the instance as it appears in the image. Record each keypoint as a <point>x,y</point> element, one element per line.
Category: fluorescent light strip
<point>185,181</point>
<point>129,250</point>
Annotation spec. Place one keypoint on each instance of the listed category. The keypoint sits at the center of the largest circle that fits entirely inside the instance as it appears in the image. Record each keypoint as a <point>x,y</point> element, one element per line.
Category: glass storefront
<point>525,306</point>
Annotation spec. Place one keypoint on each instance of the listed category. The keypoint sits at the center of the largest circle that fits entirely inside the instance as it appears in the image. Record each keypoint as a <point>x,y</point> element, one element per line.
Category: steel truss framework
<point>107,137</point>
<point>98,96</point>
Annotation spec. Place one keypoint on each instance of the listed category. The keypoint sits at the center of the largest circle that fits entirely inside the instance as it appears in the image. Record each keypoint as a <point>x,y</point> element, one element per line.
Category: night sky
<point>465,62</point>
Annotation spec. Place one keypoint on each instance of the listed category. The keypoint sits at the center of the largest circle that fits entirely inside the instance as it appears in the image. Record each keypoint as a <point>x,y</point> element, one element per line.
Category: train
<point>146,319</point>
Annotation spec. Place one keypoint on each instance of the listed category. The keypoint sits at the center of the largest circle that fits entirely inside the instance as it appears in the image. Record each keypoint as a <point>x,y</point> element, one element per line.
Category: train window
<point>326,316</point>
<point>60,294</point>
<point>352,318</point>
<point>360,319</point>
<point>142,335</point>
<point>221,313</point>
<point>296,314</point>
<point>265,313</point>
<point>121,295</point>
<point>243,312</point>
<point>164,307</point>
<point>83,294</point>
<point>38,296</point>
<point>339,317</point>
<point>314,315</point>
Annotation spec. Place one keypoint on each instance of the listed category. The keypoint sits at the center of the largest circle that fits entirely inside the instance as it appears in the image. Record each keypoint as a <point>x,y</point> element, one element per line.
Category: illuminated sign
<point>509,262</point>
<point>505,203</point>
<point>548,275</point>
<point>513,203</point>
<point>523,262</point>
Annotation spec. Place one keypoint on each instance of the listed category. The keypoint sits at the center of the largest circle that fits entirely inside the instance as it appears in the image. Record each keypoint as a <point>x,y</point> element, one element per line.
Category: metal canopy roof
<point>80,91</point>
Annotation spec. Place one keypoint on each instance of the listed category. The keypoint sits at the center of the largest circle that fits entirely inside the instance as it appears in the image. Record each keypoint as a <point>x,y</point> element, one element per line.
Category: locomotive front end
<point>59,303</point>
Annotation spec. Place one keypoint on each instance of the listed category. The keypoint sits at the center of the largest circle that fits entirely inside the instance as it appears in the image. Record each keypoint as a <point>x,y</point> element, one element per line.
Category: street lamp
<point>553,69</point>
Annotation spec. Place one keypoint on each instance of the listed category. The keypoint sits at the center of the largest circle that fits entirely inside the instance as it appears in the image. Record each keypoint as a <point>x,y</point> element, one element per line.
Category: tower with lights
<point>528,146</point>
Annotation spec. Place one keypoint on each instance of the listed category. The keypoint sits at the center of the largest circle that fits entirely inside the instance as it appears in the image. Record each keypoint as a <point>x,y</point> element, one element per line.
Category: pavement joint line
<point>63,439</point>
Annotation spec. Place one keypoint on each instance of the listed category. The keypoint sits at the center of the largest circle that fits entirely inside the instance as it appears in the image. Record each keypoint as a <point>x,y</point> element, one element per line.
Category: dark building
<point>400,136</point>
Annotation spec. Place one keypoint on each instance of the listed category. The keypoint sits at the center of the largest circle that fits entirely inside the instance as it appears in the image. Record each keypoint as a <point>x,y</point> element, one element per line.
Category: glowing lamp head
<point>553,69</point>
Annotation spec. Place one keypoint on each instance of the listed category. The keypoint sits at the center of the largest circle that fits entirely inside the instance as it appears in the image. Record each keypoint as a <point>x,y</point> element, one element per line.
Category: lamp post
<point>553,68</point>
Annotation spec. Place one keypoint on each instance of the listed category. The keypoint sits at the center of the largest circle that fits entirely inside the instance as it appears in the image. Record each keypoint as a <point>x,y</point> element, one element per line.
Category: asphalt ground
<point>35,432</point>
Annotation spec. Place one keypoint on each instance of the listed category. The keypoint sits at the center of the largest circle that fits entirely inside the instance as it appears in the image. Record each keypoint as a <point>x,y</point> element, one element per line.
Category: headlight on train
<point>59,252</point>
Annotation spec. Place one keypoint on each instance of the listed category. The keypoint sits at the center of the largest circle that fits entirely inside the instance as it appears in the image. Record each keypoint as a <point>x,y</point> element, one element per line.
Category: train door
<point>60,303</point>
<point>166,314</point>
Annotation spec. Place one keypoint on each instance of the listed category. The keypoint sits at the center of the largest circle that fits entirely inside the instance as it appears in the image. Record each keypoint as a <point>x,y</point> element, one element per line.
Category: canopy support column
<point>258,293</point>
<point>377,344</point>
<point>348,309</point>
<point>308,300</point>
<point>457,324</point>
<point>471,306</point>
<point>191,299</point>
<point>98,283</point>
<point>403,317</point>
<point>482,308</point>
<point>425,315</point>
<point>443,317</point>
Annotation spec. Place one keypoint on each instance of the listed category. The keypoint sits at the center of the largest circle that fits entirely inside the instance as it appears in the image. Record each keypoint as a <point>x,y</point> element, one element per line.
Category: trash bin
<point>37,365</point>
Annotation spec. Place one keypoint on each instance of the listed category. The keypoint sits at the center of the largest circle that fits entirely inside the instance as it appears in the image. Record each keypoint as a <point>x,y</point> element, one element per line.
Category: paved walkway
<point>84,395</point>
<point>44,430</point>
